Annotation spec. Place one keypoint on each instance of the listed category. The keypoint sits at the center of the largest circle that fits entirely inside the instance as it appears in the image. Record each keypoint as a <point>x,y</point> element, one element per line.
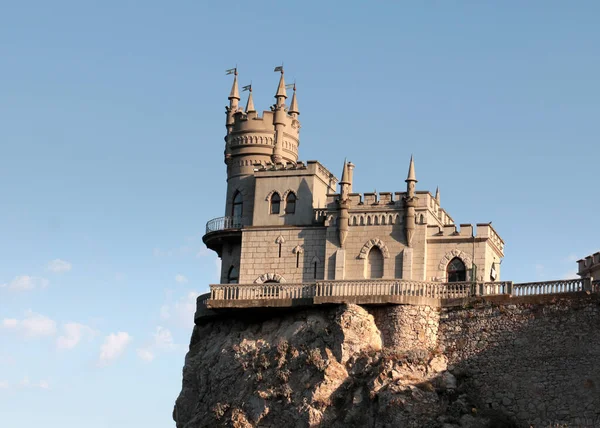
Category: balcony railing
<point>223,223</point>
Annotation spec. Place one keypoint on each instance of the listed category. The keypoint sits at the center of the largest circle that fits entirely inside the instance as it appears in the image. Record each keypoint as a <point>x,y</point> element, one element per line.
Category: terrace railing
<point>396,287</point>
<point>223,223</point>
<point>550,287</point>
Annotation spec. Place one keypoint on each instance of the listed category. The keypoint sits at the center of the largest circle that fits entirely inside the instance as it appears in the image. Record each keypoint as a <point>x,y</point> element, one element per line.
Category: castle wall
<point>260,253</point>
<point>533,358</point>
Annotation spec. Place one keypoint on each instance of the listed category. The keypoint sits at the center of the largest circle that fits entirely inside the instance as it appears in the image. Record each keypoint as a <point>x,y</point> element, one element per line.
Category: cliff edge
<point>483,365</point>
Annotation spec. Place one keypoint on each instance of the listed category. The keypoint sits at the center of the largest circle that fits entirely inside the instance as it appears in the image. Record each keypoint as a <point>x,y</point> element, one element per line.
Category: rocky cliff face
<point>322,367</point>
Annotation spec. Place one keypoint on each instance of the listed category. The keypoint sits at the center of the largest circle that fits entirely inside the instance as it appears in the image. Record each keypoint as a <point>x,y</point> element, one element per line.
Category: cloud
<point>33,325</point>
<point>181,278</point>
<point>162,340</point>
<point>72,334</point>
<point>59,266</point>
<point>145,354</point>
<point>4,384</point>
<point>113,347</point>
<point>26,282</point>
<point>203,252</point>
<point>165,312</point>
<point>26,383</point>
<point>9,322</point>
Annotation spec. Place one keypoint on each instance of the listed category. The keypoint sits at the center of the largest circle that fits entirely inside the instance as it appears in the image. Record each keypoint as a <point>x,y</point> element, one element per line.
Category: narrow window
<point>456,270</point>
<point>280,250</point>
<point>232,276</point>
<point>275,203</point>
<point>236,208</point>
<point>297,259</point>
<point>374,264</point>
<point>290,203</point>
<point>315,270</point>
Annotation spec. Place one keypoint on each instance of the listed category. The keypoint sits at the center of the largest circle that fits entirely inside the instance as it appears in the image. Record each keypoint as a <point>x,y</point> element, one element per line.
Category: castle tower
<point>410,202</point>
<point>253,140</point>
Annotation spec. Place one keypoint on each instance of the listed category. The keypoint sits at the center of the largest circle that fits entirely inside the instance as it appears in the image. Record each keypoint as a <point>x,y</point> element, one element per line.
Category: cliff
<point>525,362</point>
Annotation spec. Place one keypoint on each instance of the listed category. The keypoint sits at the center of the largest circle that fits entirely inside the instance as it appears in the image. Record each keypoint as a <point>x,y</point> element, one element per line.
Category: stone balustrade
<point>549,287</point>
<point>376,291</point>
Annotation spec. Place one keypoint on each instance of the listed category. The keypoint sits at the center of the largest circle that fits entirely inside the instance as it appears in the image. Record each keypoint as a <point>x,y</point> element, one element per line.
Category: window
<point>290,203</point>
<point>315,265</point>
<point>232,276</point>
<point>374,264</point>
<point>456,270</point>
<point>236,208</point>
<point>275,203</point>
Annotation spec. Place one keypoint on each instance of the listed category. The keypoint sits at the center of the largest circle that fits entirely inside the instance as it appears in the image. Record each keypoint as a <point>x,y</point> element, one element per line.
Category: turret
<point>234,99</point>
<point>344,202</point>
<point>250,103</point>
<point>279,118</point>
<point>293,111</point>
<point>410,201</point>
<point>437,195</point>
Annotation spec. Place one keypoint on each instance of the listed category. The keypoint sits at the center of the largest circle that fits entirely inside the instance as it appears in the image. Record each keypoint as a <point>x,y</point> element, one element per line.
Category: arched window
<point>374,264</point>
<point>456,270</point>
<point>232,276</point>
<point>290,203</point>
<point>236,207</point>
<point>275,203</point>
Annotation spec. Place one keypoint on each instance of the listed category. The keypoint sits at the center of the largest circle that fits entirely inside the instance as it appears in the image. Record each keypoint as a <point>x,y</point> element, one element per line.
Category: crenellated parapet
<point>467,232</point>
<point>589,266</point>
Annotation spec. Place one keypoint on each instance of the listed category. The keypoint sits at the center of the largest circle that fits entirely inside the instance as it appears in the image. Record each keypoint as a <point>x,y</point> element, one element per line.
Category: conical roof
<point>281,88</point>
<point>250,103</point>
<point>235,93</point>
<point>294,104</point>
<point>411,171</point>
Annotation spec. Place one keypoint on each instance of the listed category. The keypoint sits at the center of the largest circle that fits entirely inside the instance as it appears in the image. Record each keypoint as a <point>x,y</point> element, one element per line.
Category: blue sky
<point>111,142</point>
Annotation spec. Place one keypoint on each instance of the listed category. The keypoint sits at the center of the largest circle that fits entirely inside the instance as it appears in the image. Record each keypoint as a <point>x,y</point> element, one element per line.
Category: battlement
<point>589,266</point>
<point>467,231</point>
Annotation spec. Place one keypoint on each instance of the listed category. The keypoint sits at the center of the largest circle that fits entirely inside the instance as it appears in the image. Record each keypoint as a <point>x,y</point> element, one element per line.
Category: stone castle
<point>286,222</point>
<point>340,309</point>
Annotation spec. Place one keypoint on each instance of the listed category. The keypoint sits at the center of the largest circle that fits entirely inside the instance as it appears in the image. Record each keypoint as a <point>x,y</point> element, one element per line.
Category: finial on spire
<point>437,194</point>
<point>411,171</point>
<point>235,93</point>
<point>294,104</point>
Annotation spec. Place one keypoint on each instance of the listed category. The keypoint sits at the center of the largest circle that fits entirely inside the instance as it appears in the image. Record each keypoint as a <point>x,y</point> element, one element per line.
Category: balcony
<point>223,223</point>
<point>221,230</point>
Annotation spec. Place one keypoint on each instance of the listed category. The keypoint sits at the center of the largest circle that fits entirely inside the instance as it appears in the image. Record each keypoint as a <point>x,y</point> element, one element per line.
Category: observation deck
<point>221,230</point>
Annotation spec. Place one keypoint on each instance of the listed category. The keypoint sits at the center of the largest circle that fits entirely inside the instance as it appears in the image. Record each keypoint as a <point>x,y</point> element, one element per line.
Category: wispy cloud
<point>25,283</point>
<point>145,354</point>
<point>181,278</point>
<point>59,266</point>
<point>113,347</point>
<point>73,333</point>
<point>4,384</point>
<point>162,340</point>
<point>26,383</point>
<point>32,325</point>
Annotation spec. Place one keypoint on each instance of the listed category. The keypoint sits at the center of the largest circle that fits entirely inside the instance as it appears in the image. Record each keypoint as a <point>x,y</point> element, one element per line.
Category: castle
<point>286,222</point>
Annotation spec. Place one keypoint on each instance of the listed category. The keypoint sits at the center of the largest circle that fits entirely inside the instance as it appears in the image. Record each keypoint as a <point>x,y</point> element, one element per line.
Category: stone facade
<point>286,219</point>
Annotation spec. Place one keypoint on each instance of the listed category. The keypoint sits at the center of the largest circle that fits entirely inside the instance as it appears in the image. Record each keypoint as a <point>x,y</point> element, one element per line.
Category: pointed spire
<point>294,105</point>
<point>281,87</point>
<point>411,171</point>
<point>437,195</point>
<point>345,175</point>
<point>250,103</point>
<point>235,93</point>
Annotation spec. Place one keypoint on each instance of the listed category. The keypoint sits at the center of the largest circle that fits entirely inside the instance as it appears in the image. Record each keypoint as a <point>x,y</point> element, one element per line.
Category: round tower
<point>252,141</point>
